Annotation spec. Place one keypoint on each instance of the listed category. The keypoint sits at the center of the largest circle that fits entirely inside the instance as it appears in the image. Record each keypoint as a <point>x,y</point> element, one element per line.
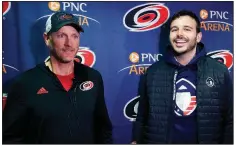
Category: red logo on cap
<point>66,16</point>
<point>5,7</point>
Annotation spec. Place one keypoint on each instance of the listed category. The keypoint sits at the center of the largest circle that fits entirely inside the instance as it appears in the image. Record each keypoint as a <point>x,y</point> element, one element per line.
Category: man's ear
<point>199,37</point>
<point>46,39</point>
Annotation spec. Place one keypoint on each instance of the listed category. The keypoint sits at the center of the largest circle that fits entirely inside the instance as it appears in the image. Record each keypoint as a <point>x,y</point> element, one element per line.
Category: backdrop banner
<point>120,39</point>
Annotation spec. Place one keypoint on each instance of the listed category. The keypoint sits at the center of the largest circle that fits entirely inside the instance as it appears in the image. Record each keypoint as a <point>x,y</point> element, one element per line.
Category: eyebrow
<point>71,34</point>
<point>188,27</point>
<point>184,27</point>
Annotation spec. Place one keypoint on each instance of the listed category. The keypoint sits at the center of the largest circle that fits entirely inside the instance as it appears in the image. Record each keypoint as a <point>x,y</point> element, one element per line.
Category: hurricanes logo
<point>131,108</point>
<point>146,17</point>
<point>223,56</point>
<point>87,85</point>
<point>84,56</point>
<point>6,6</point>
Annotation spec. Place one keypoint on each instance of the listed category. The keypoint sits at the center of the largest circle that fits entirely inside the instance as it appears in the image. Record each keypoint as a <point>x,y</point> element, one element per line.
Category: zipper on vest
<point>172,109</point>
<point>174,85</point>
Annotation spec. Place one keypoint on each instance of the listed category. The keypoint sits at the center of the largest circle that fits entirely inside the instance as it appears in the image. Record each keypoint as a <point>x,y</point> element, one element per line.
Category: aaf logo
<point>131,108</point>
<point>223,56</point>
<point>84,56</point>
<point>6,6</point>
<point>185,101</point>
<point>146,17</point>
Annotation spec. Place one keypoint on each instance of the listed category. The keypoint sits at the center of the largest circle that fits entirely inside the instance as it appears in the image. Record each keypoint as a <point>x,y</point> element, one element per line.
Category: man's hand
<point>134,142</point>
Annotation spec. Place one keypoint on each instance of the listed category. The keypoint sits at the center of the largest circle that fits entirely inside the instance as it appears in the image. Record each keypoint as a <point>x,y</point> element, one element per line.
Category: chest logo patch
<point>210,82</point>
<point>87,85</point>
<point>185,102</point>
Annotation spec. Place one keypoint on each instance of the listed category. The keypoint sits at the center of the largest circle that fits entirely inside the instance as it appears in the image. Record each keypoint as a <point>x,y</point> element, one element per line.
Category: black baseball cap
<point>60,19</point>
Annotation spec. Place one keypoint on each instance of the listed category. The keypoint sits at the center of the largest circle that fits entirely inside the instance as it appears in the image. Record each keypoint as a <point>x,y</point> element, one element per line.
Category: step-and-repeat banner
<point>121,40</point>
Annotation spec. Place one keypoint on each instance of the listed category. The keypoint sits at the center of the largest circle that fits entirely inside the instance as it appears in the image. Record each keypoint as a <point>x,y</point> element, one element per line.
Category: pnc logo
<point>54,6</point>
<point>203,14</point>
<point>67,6</point>
<point>214,20</point>
<point>134,57</point>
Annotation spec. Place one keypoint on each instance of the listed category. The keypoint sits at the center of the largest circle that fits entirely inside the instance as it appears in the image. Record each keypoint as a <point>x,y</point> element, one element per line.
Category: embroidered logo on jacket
<point>210,82</point>
<point>87,85</point>
<point>42,91</point>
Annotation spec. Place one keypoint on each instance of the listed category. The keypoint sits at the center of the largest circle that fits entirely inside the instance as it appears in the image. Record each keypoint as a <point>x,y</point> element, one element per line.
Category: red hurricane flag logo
<point>223,56</point>
<point>85,56</point>
<point>5,7</point>
<point>146,17</point>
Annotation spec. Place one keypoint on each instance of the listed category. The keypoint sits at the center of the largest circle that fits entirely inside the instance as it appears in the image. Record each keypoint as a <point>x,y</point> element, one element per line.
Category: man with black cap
<point>59,101</point>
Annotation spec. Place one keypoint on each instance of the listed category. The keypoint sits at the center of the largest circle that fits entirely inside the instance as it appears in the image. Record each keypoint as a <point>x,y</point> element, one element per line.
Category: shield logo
<point>185,101</point>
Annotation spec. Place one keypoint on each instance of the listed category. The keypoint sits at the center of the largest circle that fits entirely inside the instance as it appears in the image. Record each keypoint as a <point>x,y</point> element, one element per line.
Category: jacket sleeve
<point>228,116</point>
<point>103,126</point>
<point>14,116</point>
<point>139,124</point>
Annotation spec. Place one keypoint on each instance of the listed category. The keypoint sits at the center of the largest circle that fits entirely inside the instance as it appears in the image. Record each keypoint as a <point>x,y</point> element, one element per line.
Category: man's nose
<point>180,32</point>
<point>68,41</point>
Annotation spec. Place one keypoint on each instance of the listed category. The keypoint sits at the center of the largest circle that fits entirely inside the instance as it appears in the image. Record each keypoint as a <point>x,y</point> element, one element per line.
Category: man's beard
<point>55,55</point>
<point>189,48</point>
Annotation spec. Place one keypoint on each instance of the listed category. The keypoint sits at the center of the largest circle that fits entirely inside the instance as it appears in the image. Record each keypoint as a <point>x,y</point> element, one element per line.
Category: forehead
<point>183,21</point>
<point>67,29</point>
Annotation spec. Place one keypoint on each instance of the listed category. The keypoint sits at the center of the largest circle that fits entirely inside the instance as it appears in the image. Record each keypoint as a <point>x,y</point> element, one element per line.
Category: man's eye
<point>187,29</point>
<point>60,35</point>
<point>76,37</point>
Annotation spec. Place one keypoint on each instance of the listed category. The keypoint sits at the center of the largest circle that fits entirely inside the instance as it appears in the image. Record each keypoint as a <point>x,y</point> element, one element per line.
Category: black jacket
<point>56,116</point>
<point>214,104</point>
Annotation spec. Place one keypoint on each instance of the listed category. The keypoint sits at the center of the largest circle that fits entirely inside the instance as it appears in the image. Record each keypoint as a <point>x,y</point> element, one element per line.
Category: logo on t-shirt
<point>185,101</point>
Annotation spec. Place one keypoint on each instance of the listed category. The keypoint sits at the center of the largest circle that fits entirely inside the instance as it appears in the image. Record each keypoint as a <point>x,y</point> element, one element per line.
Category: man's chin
<point>67,60</point>
<point>180,51</point>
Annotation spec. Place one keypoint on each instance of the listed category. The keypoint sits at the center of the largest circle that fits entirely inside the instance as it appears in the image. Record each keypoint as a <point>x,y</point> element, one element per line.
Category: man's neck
<point>185,58</point>
<point>60,68</point>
